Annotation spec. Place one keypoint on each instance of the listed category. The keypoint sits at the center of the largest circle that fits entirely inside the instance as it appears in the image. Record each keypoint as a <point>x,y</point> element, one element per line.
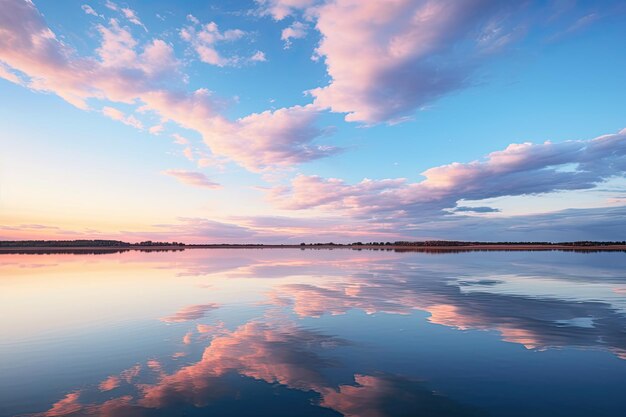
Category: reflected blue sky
<point>313,332</point>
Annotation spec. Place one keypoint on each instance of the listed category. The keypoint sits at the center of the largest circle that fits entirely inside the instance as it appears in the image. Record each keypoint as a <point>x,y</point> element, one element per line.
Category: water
<point>251,332</point>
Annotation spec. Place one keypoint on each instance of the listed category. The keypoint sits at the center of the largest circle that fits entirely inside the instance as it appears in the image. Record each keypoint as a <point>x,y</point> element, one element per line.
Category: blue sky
<point>309,120</point>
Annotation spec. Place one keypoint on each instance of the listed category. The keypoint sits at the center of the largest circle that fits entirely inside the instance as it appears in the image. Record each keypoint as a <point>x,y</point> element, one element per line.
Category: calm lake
<point>289,332</point>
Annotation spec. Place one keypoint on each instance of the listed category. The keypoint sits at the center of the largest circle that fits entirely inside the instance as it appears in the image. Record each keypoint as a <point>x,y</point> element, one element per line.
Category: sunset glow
<point>291,121</point>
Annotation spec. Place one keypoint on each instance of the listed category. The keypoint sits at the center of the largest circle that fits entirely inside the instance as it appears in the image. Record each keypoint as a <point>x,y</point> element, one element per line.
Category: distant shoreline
<point>392,247</point>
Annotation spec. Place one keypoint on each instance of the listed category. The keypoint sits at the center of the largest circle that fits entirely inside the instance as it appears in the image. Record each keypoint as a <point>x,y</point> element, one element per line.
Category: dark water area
<point>289,332</point>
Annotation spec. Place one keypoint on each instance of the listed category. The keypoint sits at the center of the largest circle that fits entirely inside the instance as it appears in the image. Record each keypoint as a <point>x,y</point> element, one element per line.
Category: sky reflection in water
<point>313,333</point>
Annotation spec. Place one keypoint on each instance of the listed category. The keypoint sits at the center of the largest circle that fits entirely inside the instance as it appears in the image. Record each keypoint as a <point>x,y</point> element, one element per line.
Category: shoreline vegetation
<point>431,246</point>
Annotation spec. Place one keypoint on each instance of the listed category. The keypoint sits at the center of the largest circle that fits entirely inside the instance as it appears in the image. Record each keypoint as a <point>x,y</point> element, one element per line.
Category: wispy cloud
<point>131,15</point>
<point>89,10</point>
<point>205,38</point>
<point>196,179</point>
<point>520,169</point>
<point>118,115</point>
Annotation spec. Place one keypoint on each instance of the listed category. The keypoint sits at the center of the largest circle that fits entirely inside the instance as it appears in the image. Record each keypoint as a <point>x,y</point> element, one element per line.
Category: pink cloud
<point>235,230</point>
<point>405,56</point>
<point>520,169</point>
<point>281,137</point>
<point>196,179</point>
<point>205,230</point>
<point>188,152</point>
<point>118,73</point>
<point>194,230</point>
<point>150,77</point>
<point>180,139</point>
<point>156,129</point>
<point>259,141</point>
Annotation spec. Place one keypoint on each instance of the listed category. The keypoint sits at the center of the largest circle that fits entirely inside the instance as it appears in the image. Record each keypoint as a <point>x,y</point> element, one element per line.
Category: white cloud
<point>89,10</point>
<point>131,15</point>
<point>258,56</point>
<point>297,30</point>
<point>280,9</point>
<point>204,38</point>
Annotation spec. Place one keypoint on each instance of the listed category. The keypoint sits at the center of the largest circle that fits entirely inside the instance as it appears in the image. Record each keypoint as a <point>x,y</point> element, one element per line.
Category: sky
<point>290,121</point>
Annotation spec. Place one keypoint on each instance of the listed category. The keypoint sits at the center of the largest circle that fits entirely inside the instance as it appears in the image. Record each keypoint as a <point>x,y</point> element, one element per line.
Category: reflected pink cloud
<point>283,355</point>
<point>110,383</point>
<point>449,315</point>
<point>188,313</point>
<point>535,323</point>
<point>336,282</point>
<point>130,374</point>
<point>309,300</point>
<point>389,395</point>
<point>276,353</point>
<point>620,353</point>
<point>524,337</point>
<point>114,381</point>
<point>207,330</point>
<point>68,405</point>
<point>155,366</point>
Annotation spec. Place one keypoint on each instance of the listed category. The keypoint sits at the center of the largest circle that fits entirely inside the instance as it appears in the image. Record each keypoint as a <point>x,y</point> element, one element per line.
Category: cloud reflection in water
<point>273,353</point>
<point>531,301</point>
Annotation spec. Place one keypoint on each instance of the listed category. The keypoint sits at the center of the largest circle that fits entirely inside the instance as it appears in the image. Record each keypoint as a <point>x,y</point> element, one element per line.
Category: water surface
<point>282,332</point>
